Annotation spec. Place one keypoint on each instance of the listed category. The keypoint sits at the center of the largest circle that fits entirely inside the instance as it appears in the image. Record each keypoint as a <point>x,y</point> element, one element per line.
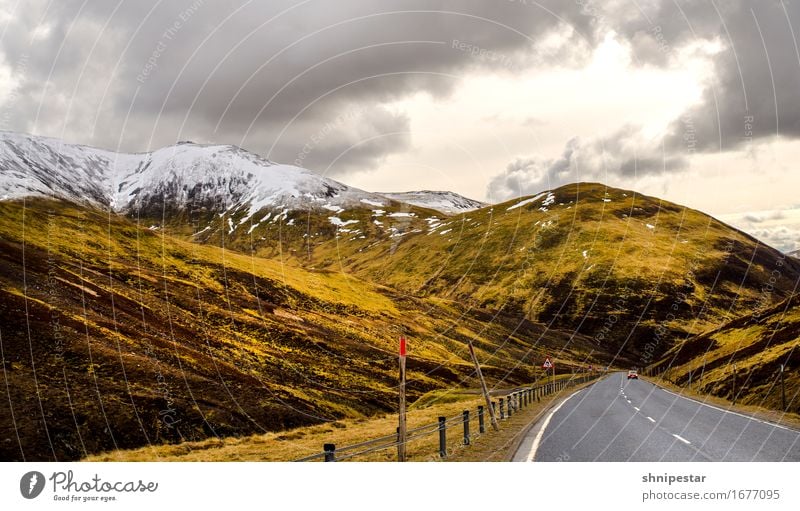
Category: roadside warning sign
<point>547,363</point>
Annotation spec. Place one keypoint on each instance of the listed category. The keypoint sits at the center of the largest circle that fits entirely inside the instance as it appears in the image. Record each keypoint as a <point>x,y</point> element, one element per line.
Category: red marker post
<point>401,429</point>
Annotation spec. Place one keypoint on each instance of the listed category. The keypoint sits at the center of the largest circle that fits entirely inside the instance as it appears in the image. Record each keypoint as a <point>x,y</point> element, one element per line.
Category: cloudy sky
<point>694,101</point>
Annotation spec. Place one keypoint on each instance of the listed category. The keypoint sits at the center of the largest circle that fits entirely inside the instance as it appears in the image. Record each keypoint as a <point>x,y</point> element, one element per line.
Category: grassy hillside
<point>123,332</point>
<point>635,273</point>
<point>753,347</point>
<point>118,336</point>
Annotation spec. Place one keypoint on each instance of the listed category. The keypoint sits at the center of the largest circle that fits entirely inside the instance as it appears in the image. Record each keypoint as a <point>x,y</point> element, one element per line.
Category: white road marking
<point>651,419</point>
<point>635,408</point>
<point>680,438</point>
<point>540,434</point>
<point>728,411</point>
<point>628,400</point>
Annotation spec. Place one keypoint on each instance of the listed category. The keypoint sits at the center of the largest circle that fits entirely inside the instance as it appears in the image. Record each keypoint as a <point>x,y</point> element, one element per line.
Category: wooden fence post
<point>466,427</point>
<point>442,437</point>
<point>330,452</point>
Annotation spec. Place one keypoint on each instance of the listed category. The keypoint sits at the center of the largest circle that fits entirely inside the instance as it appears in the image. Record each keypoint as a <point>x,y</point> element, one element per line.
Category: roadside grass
<point>305,441</point>
<point>300,442</point>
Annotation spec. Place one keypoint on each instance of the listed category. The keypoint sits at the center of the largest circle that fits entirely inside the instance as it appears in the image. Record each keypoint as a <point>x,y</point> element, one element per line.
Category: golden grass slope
<point>118,336</point>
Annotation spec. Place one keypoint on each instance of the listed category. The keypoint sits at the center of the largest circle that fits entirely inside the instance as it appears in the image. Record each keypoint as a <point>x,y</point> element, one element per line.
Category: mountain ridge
<point>221,177</point>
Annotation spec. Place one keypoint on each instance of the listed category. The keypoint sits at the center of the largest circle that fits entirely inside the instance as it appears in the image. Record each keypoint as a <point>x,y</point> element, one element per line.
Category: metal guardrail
<point>513,402</point>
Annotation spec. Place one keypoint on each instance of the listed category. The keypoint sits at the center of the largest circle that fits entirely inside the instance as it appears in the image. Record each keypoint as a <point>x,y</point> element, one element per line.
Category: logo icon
<point>31,484</point>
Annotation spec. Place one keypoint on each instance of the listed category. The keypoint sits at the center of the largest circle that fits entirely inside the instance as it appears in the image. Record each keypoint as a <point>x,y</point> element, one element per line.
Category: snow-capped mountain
<point>211,176</point>
<point>795,254</point>
<point>445,202</point>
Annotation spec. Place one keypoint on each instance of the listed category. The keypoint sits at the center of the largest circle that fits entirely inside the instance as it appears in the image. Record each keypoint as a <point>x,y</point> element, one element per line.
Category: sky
<point>697,102</point>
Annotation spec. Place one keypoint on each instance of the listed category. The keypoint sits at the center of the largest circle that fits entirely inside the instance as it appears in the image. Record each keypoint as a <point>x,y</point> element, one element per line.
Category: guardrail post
<point>510,404</point>
<point>502,412</point>
<point>481,425</point>
<point>466,427</point>
<point>783,390</point>
<point>442,437</point>
<point>330,452</point>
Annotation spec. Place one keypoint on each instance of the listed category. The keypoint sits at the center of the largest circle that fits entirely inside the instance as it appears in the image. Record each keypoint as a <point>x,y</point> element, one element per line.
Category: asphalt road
<point>632,420</point>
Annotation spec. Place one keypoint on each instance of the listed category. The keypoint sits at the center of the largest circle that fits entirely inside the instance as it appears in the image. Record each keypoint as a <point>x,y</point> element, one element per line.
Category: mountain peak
<point>208,175</point>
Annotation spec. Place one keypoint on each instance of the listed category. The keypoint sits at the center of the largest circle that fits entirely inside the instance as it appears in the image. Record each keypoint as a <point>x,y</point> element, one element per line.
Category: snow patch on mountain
<point>445,202</point>
<point>525,202</point>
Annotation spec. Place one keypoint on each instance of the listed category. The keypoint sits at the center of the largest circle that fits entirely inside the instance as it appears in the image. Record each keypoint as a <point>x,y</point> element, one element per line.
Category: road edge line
<point>523,432</point>
<point>532,454</point>
<point>715,407</point>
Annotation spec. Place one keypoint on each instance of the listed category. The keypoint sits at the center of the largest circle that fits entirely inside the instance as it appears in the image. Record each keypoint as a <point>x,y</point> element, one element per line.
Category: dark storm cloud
<point>753,94</point>
<point>755,89</point>
<point>264,75</point>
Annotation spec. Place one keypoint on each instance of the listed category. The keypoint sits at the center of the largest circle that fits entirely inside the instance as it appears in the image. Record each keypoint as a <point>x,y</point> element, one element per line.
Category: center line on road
<point>635,408</point>
<point>680,438</point>
<point>651,419</point>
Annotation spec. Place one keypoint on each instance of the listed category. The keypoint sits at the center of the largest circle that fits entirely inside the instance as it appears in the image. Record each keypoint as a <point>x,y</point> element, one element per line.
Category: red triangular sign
<point>547,363</point>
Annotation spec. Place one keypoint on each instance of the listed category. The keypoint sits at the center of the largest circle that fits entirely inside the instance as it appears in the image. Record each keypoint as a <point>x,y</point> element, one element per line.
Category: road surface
<point>632,420</point>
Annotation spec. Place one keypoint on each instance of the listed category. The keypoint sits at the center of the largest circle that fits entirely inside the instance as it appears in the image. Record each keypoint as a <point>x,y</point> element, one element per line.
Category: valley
<point>203,292</point>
